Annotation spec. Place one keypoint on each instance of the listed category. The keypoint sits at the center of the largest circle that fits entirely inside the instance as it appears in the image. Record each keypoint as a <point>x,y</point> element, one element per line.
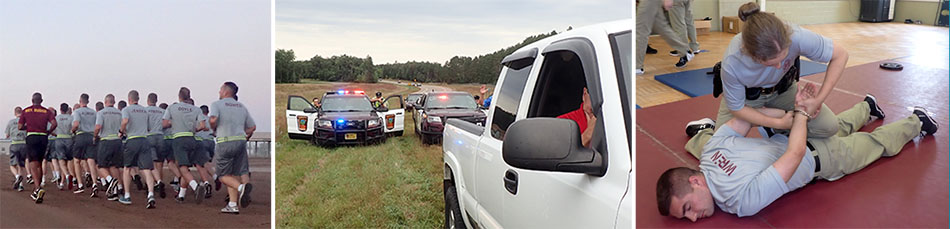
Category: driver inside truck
<point>583,116</point>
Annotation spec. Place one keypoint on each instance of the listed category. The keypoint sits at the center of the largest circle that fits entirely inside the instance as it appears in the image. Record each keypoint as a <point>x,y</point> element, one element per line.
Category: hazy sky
<point>428,30</point>
<point>65,48</point>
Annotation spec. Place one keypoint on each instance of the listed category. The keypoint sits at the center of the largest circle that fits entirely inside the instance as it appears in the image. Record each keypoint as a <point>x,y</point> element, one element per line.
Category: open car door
<point>300,117</point>
<point>394,118</point>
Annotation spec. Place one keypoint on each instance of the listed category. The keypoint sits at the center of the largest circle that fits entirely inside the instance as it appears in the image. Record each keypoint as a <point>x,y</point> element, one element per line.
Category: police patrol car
<point>344,117</point>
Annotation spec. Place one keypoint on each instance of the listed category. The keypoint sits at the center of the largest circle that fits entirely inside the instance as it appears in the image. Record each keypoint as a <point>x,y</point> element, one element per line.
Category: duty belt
<point>783,85</point>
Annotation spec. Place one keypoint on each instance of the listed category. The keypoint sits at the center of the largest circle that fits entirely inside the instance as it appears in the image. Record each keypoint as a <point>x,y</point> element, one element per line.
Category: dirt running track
<point>65,209</point>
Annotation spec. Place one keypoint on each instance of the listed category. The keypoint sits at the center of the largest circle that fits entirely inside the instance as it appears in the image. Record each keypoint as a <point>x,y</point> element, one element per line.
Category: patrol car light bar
<point>345,92</point>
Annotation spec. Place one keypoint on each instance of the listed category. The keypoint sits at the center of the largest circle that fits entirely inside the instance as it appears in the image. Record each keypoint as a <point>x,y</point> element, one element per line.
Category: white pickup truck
<point>527,169</point>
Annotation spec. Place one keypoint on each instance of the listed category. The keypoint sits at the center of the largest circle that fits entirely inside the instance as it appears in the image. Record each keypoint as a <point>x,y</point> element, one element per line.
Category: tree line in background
<point>459,69</point>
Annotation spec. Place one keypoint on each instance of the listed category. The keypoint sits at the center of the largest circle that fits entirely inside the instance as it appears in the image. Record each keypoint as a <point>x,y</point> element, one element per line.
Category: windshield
<point>413,98</point>
<point>346,104</point>
<point>462,101</point>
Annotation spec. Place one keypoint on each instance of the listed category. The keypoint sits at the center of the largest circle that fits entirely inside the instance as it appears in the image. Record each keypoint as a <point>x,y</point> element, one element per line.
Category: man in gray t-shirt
<point>233,125</point>
<point>109,158</point>
<point>184,120</point>
<point>743,175</point>
<point>156,142</point>
<point>135,123</point>
<point>17,144</point>
<point>62,148</point>
<point>84,149</point>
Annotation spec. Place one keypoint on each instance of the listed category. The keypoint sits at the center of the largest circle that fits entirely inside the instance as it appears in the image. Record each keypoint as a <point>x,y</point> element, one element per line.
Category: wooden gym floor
<point>866,42</point>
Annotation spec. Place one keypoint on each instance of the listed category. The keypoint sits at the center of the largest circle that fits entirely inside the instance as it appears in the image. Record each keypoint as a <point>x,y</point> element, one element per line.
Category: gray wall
<point>815,12</point>
<point>924,11</point>
<point>807,12</point>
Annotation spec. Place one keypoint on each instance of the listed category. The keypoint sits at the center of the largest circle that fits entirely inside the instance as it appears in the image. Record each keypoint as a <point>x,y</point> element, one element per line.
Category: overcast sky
<point>428,30</point>
<point>65,48</point>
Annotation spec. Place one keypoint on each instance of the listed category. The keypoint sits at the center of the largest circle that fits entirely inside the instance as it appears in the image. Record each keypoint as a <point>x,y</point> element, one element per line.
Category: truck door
<point>548,199</point>
<point>490,168</point>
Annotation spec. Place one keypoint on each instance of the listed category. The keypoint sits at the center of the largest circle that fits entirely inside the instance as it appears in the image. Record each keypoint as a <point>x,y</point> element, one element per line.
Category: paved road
<point>424,88</point>
<point>65,209</point>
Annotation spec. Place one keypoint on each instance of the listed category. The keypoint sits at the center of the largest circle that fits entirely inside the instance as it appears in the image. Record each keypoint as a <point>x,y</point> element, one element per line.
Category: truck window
<point>508,98</point>
<point>560,86</point>
<point>564,74</point>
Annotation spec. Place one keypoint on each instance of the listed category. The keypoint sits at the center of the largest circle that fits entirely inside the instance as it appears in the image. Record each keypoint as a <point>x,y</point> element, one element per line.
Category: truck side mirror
<point>382,109</point>
<point>550,144</point>
<point>310,110</point>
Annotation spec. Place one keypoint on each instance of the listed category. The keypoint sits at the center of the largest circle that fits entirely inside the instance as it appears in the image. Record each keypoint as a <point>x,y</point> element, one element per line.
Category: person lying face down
<point>743,175</point>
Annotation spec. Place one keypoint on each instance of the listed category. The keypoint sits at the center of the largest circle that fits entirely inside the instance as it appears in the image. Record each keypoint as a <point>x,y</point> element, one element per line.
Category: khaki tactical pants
<point>650,17</point>
<point>823,126</point>
<point>850,151</point>
<point>681,19</point>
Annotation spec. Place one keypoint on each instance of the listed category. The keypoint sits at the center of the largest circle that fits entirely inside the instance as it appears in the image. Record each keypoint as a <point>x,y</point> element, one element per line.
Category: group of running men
<point>112,148</point>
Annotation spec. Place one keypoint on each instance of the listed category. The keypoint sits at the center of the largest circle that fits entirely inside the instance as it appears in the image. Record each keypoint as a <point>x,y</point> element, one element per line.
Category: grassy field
<point>394,184</point>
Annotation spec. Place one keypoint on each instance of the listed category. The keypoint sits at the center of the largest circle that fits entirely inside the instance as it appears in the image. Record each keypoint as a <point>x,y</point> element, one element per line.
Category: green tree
<point>284,67</point>
<point>459,69</point>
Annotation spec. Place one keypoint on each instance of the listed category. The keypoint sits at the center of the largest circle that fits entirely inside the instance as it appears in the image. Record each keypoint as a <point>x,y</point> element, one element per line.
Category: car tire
<point>424,139</point>
<point>398,133</point>
<point>452,212</point>
<point>314,140</point>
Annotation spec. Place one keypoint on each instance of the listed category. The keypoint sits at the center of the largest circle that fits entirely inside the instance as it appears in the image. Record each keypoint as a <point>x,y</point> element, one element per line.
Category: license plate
<point>350,136</point>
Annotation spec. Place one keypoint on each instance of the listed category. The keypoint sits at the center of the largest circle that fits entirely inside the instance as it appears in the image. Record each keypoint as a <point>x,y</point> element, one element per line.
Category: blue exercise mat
<point>811,67</point>
<point>695,83</point>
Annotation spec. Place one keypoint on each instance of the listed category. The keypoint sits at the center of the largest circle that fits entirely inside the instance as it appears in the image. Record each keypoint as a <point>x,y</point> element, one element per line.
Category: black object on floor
<point>892,66</point>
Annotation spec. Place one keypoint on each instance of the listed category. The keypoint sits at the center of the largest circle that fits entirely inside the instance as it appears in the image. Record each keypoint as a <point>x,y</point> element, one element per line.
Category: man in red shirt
<point>583,116</point>
<point>34,121</point>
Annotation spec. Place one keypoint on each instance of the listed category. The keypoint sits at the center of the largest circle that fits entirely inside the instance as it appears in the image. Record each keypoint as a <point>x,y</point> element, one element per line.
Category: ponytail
<point>763,35</point>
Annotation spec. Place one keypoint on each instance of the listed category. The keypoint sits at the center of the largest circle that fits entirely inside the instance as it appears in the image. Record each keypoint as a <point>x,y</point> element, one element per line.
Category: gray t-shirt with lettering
<point>155,119</point>
<point>13,130</point>
<point>740,71</point>
<point>110,119</point>
<point>87,119</point>
<point>64,124</point>
<point>205,134</point>
<point>138,120</point>
<point>740,174</point>
<point>233,117</point>
<point>184,117</point>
